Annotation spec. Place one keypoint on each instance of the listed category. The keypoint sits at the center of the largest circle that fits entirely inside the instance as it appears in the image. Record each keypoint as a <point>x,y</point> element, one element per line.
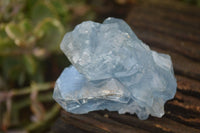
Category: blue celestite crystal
<point>114,70</point>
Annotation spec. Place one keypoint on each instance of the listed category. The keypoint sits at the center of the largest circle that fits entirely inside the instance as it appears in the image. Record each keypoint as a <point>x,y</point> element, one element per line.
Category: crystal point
<point>114,70</point>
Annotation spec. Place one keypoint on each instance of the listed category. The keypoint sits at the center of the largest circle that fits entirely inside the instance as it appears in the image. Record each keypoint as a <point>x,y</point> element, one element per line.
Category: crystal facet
<point>114,70</point>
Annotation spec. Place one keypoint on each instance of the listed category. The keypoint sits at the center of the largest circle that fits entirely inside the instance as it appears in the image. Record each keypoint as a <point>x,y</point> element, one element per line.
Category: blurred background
<point>30,57</point>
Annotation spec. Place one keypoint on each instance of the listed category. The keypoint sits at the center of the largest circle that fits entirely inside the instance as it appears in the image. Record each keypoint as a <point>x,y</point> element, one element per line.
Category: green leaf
<point>21,33</point>
<point>12,67</point>
<point>40,11</point>
<point>26,26</point>
<point>62,9</point>
<point>50,32</point>
<point>30,64</point>
<point>14,31</point>
<point>5,43</point>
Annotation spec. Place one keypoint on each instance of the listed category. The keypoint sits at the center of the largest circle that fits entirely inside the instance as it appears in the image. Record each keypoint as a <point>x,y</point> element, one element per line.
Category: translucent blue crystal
<point>114,70</point>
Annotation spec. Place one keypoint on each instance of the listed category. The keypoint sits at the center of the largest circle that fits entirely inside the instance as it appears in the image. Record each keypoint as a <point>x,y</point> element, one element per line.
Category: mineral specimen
<point>114,70</point>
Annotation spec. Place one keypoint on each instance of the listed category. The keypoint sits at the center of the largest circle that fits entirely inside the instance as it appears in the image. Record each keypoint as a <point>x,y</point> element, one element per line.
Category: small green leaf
<point>40,11</point>
<point>61,7</point>
<point>30,64</point>
<point>51,32</point>
<point>25,26</point>
<point>5,43</point>
<point>12,67</point>
<point>14,31</point>
<point>21,33</point>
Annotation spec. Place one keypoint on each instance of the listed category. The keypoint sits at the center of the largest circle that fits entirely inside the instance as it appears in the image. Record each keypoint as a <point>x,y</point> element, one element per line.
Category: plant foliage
<point>30,32</point>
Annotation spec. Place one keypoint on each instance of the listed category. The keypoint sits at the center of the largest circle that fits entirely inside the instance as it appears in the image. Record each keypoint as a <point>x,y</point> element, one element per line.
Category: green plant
<point>30,33</point>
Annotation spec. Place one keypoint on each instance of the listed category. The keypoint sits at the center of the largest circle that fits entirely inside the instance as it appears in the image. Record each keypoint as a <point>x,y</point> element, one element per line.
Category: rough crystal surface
<point>114,70</point>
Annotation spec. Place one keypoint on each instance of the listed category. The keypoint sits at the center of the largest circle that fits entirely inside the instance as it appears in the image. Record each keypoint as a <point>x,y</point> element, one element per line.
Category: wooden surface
<point>171,27</point>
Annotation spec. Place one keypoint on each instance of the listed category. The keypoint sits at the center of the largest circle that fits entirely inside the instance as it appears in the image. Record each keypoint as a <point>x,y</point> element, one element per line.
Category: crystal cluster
<point>114,70</point>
